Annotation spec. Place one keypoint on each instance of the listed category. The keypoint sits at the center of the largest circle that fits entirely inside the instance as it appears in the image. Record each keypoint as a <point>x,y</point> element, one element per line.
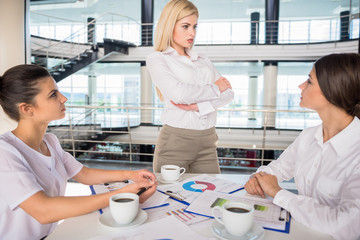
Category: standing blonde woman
<point>192,90</point>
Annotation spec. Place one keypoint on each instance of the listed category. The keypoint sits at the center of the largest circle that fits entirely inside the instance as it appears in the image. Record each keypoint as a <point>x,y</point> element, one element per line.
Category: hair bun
<point>356,111</point>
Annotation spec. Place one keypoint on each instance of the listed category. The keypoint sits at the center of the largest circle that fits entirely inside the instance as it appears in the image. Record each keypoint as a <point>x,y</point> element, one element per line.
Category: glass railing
<point>59,41</point>
<point>115,26</point>
<point>128,134</point>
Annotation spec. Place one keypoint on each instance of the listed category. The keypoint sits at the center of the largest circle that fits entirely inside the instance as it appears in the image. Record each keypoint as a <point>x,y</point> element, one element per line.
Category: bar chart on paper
<point>181,215</point>
<point>178,210</point>
<point>266,213</point>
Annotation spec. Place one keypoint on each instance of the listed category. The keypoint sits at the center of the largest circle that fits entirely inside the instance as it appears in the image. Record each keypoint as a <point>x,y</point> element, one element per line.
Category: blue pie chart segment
<point>189,186</point>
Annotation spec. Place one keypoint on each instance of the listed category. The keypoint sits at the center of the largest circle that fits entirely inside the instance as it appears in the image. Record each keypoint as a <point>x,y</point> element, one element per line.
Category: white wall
<point>13,43</point>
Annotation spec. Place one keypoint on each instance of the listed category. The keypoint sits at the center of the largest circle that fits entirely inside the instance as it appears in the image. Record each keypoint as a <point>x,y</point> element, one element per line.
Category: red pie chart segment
<point>189,186</point>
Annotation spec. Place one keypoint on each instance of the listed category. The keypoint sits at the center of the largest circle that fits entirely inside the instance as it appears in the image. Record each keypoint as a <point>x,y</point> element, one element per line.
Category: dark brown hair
<point>19,85</point>
<point>339,80</point>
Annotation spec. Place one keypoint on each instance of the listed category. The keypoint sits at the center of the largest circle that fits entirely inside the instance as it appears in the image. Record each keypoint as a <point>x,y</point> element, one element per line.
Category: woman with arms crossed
<point>192,90</point>
<point>324,160</point>
<point>34,168</point>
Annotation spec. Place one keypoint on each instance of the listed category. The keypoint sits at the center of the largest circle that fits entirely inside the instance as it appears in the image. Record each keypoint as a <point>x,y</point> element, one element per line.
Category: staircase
<point>71,57</point>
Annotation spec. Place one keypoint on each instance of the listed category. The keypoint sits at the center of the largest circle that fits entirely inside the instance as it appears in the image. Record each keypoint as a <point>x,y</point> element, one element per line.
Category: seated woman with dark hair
<point>34,168</point>
<point>324,160</point>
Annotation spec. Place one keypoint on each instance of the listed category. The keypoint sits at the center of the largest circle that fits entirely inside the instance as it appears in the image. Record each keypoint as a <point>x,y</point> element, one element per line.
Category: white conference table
<point>87,226</point>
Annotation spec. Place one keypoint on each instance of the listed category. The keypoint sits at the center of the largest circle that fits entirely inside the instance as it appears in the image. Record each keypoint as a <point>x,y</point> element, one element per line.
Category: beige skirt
<point>194,150</point>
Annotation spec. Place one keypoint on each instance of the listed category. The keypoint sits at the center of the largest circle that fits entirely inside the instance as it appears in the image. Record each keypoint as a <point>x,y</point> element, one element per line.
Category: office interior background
<point>96,49</point>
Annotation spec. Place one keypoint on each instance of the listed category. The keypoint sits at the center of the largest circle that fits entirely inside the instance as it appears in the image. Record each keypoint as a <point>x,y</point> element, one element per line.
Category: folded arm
<point>206,107</point>
<point>177,91</point>
<point>341,221</point>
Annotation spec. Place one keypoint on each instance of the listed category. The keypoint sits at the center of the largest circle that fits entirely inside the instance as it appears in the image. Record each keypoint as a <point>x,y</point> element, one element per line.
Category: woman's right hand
<point>223,84</point>
<point>253,187</point>
<point>137,186</point>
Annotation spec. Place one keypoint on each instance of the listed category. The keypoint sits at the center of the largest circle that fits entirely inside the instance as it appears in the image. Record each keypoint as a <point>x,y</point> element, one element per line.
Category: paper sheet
<point>165,228</point>
<point>189,189</point>
<point>178,210</point>
<point>266,213</point>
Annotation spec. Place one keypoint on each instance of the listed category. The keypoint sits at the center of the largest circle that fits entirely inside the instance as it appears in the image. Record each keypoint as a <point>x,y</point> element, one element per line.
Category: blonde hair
<point>173,11</point>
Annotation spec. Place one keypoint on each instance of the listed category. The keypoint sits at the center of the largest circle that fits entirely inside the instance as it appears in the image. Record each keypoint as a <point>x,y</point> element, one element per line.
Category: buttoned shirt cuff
<point>205,108</point>
<point>283,198</point>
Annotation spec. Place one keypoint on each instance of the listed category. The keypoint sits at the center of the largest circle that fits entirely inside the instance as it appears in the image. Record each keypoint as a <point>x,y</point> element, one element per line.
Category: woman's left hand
<point>143,174</point>
<point>187,107</point>
<point>268,183</point>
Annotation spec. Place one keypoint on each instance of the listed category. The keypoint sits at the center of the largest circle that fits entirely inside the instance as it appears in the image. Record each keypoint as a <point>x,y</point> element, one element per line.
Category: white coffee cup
<point>236,217</point>
<point>124,207</point>
<point>171,173</point>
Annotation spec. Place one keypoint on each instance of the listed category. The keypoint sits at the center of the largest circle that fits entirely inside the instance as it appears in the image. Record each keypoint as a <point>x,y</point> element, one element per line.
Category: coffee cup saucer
<point>255,232</point>
<point>161,180</point>
<point>107,220</point>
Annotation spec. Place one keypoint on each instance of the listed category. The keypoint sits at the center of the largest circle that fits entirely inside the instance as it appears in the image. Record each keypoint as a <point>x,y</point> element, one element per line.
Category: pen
<point>142,190</point>
<point>280,218</point>
<point>173,196</point>
<point>125,181</point>
<point>287,216</point>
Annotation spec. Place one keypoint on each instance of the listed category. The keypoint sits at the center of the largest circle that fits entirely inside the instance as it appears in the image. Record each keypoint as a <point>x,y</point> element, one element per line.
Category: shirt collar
<point>193,55</point>
<point>319,135</point>
<point>169,51</point>
<point>343,141</point>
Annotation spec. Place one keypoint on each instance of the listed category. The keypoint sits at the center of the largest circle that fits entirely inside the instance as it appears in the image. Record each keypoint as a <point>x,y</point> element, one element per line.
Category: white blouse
<point>327,176</point>
<point>187,80</point>
<point>24,172</point>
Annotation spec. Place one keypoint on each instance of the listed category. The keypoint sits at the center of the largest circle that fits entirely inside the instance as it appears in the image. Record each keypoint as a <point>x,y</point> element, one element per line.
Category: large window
<point>113,87</point>
<point>246,80</point>
<point>290,76</point>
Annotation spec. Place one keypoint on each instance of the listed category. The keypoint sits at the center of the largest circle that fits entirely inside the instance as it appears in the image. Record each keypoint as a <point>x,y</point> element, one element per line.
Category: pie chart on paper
<point>198,186</point>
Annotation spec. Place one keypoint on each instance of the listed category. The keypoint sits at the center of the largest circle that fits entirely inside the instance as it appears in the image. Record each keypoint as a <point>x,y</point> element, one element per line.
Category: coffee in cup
<point>124,207</point>
<point>171,173</point>
<point>124,200</point>
<point>237,217</point>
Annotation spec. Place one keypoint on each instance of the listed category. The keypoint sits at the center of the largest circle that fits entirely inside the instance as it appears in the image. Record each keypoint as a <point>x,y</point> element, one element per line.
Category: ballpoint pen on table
<point>171,194</point>
<point>280,217</point>
<point>286,216</point>
<point>142,190</point>
<point>125,181</point>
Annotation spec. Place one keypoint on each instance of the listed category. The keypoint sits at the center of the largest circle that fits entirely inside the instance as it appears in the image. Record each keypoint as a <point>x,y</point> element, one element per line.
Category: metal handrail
<point>218,21</point>
<point>78,33</point>
<point>271,110</point>
<point>84,28</point>
<point>148,37</point>
<point>130,141</point>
